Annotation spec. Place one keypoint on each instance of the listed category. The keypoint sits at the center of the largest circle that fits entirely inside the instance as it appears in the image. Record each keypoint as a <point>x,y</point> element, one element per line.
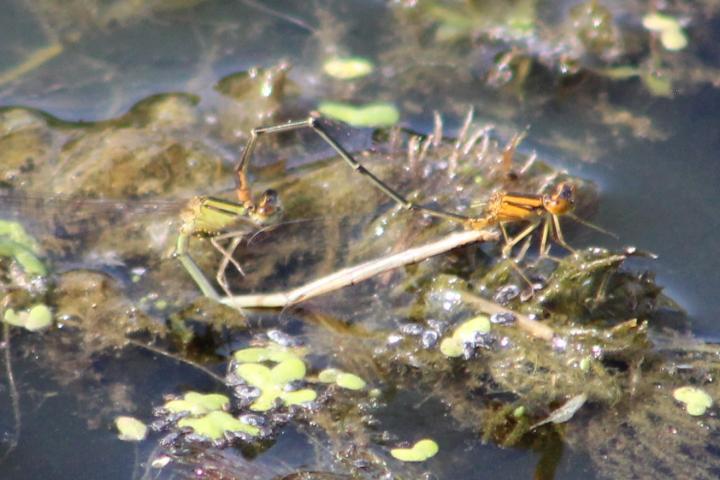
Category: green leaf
<point>24,255</point>
<point>329,375</point>
<point>658,22</point>
<point>451,347</point>
<point>350,381</point>
<point>696,400</point>
<point>421,451</point>
<point>288,371</point>
<point>299,397</point>
<point>369,115</point>
<point>673,40</point>
<point>255,374</point>
<point>348,68</point>
<point>131,429</point>
<point>38,318</point>
<point>215,424</point>
<point>197,403</point>
<point>466,331</point>
<point>263,354</point>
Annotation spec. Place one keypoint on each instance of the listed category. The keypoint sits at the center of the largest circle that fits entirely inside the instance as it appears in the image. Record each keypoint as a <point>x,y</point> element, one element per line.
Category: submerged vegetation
<point>579,349</point>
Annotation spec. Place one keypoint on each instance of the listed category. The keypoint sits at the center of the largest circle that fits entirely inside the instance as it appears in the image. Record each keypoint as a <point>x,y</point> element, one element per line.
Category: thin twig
<point>352,275</point>
<point>533,327</point>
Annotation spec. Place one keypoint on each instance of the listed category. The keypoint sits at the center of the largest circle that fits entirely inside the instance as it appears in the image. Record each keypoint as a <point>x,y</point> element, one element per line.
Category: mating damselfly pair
<point>225,223</point>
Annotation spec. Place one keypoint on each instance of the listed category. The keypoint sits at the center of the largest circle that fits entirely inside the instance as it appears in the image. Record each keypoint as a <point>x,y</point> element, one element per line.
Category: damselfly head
<point>562,200</point>
<point>269,208</point>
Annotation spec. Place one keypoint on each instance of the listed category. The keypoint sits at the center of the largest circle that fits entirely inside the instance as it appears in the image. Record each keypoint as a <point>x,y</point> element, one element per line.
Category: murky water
<point>653,158</point>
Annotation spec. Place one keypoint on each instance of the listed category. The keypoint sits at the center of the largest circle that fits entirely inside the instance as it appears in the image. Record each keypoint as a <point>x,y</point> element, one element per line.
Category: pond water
<point>652,156</point>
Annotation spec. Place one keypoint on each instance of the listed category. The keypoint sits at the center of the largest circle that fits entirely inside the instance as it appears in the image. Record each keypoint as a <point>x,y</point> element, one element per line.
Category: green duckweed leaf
<point>17,233</point>
<point>288,371</point>
<point>671,33</point>
<point>329,375</point>
<point>451,347</point>
<point>27,259</point>
<point>467,330</point>
<point>13,318</point>
<point>299,397</point>
<point>37,318</point>
<point>215,424</point>
<point>696,400</point>
<point>130,429</point>
<point>348,68</point>
<point>350,381</point>
<point>255,374</point>
<point>673,40</point>
<point>263,354</point>
<point>658,22</point>
<point>197,403</point>
<point>266,400</point>
<point>421,451</point>
<point>369,115</point>
<point>251,355</point>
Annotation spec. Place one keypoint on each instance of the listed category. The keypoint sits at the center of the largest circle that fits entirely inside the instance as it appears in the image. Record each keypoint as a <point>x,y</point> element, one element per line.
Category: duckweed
<point>671,33</point>
<point>350,381</point>
<point>465,333</point>
<point>195,403</point>
<point>519,411</point>
<point>348,68</point>
<point>273,383</point>
<point>271,353</point>
<point>215,425</point>
<point>15,242</point>
<point>37,318</point>
<point>342,379</point>
<point>369,115</point>
<point>421,451</point>
<point>329,375</point>
<point>450,347</point>
<point>696,400</point>
<point>130,429</point>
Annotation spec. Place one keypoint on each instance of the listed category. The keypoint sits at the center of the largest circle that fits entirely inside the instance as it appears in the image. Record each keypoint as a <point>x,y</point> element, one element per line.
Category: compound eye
<point>565,191</point>
<point>269,203</point>
<point>269,197</point>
